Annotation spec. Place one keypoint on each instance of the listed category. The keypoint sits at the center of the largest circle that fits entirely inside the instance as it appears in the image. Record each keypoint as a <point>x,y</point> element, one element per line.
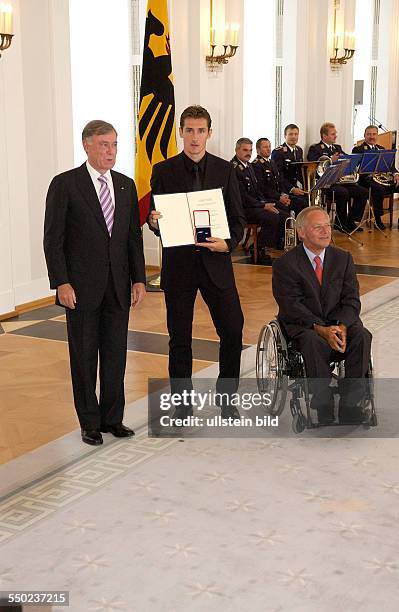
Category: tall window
<point>259,96</point>
<point>363,68</point>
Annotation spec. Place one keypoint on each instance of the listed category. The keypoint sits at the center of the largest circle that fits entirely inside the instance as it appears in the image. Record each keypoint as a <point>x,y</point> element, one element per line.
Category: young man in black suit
<point>316,289</point>
<point>378,191</point>
<point>343,192</point>
<point>94,253</point>
<point>206,267</point>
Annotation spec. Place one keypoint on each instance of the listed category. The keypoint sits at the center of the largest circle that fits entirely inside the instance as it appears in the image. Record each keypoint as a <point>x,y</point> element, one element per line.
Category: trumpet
<point>290,232</point>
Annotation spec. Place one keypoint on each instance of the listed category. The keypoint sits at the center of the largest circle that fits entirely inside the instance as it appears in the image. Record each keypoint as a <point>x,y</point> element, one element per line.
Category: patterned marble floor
<point>301,525</point>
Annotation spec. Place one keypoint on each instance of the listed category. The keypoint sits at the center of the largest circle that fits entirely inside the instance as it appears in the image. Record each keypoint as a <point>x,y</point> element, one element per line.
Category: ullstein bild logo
<point>219,421</point>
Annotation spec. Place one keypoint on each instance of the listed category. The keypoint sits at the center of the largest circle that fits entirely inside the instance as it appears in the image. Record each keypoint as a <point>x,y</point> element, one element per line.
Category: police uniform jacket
<point>251,194</point>
<point>284,157</point>
<point>268,178</point>
<point>319,149</point>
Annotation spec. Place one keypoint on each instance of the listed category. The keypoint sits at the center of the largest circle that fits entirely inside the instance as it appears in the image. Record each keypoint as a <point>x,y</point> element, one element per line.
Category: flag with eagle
<point>156,128</point>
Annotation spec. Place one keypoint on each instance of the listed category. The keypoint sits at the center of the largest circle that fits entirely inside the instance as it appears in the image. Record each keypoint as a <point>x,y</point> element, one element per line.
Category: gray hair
<point>242,141</point>
<point>97,127</point>
<point>301,219</point>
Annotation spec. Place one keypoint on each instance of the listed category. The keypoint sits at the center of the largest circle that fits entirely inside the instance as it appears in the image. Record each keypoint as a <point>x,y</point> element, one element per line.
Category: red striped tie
<point>106,203</point>
<point>318,269</point>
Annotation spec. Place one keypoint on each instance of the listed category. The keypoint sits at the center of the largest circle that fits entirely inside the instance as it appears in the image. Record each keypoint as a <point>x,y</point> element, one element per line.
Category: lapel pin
<point>122,187</point>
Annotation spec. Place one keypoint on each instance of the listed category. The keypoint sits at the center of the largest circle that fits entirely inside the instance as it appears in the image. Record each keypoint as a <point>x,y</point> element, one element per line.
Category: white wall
<point>101,71</point>
<point>36,138</point>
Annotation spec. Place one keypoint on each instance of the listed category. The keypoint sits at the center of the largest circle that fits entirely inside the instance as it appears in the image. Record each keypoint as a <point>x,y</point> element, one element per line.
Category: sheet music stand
<point>374,162</point>
<point>331,176</point>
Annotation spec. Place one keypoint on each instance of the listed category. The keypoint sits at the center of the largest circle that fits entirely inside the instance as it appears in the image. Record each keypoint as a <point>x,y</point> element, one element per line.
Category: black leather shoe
<point>182,412</point>
<point>92,436</point>
<point>119,431</point>
<point>324,419</point>
<point>352,417</point>
<point>379,224</point>
<point>230,412</point>
<point>264,257</point>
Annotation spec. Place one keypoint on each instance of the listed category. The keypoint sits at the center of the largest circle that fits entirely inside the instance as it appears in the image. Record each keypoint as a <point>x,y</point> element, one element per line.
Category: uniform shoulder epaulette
<point>278,148</point>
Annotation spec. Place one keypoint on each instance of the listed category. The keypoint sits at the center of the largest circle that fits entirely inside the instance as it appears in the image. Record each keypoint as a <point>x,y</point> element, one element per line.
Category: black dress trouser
<point>225,309</point>
<point>318,355</point>
<point>100,335</point>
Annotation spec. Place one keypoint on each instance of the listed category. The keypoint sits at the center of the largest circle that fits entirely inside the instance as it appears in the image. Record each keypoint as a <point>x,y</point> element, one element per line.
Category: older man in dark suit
<point>316,289</point>
<point>94,253</point>
<point>207,266</point>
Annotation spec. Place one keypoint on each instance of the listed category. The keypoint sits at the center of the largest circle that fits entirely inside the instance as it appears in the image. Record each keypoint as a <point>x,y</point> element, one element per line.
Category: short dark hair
<point>325,127</point>
<point>259,141</point>
<point>290,126</point>
<point>97,127</point>
<point>369,127</point>
<point>195,112</point>
<point>242,141</point>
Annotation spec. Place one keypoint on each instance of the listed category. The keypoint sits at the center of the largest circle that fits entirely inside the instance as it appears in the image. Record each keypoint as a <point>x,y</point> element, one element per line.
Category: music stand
<point>331,176</point>
<point>373,162</point>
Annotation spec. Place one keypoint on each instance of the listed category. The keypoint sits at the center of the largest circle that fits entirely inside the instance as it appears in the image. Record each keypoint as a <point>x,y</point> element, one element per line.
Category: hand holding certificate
<point>184,215</point>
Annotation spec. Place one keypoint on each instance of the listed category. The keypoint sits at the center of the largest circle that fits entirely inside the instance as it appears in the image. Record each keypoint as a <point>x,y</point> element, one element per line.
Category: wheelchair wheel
<point>271,357</point>
<point>369,409</point>
<point>299,423</point>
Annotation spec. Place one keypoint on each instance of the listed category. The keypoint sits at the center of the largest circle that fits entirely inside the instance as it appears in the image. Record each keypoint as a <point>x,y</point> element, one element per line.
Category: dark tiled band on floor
<point>143,342</point>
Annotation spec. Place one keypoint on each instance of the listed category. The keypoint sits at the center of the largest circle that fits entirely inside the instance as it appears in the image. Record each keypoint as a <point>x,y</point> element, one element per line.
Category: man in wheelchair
<point>316,289</point>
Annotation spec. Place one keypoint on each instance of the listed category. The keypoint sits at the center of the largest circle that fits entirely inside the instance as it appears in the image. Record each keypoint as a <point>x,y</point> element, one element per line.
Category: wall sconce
<point>229,43</point>
<point>5,27</point>
<point>348,48</point>
<point>346,42</point>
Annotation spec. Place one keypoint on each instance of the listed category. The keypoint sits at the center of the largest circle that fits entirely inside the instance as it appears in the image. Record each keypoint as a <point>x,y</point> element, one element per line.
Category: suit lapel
<point>208,173</point>
<point>181,173</point>
<point>86,187</point>
<point>119,193</point>
<point>327,270</point>
<point>306,265</point>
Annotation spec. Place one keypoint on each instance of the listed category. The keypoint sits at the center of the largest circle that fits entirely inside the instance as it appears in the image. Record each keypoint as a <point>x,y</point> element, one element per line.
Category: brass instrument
<point>325,161</point>
<point>308,170</point>
<point>322,164</point>
<point>384,178</point>
<point>290,232</point>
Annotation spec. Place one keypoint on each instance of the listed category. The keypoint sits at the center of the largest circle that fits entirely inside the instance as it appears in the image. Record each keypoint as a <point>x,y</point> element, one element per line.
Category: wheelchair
<point>280,369</point>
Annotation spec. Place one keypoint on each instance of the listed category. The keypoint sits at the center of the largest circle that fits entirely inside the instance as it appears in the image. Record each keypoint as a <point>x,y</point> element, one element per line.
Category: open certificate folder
<point>177,226</point>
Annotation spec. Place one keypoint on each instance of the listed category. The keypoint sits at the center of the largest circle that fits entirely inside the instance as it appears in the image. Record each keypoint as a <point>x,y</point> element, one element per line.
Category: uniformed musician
<point>257,208</point>
<point>343,192</point>
<point>285,157</point>
<point>378,192</point>
<point>272,182</point>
